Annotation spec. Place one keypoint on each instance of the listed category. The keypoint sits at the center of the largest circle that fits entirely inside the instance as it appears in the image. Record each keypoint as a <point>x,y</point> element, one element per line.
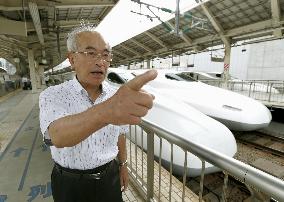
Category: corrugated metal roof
<point>55,16</point>
<point>234,20</point>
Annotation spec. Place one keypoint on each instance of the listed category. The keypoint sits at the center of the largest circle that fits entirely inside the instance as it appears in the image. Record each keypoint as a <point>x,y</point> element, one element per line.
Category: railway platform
<point>26,164</point>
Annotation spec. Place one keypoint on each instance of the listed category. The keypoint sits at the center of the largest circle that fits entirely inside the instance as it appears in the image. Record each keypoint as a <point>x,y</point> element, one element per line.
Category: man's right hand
<point>130,102</point>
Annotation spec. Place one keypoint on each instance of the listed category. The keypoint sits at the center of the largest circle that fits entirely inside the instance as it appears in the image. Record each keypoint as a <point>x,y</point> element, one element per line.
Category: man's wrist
<point>122,163</point>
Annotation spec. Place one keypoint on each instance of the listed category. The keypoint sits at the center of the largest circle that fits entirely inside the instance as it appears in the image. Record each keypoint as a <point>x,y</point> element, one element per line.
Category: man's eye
<point>92,53</point>
<point>106,54</point>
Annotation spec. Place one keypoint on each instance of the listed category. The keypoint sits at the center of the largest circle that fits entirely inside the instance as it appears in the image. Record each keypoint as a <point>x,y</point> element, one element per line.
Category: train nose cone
<point>258,116</point>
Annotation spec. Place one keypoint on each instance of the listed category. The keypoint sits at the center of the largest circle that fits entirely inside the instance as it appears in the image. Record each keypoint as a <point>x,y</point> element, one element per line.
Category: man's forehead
<point>106,48</point>
<point>92,41</point>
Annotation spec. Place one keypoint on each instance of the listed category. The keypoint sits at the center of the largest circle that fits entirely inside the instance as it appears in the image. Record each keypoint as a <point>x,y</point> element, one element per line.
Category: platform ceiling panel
<point>236,13</point>
<point>136,48</point>
<point>149,42</point>
<point>54,19</point>
<point>224,20</point>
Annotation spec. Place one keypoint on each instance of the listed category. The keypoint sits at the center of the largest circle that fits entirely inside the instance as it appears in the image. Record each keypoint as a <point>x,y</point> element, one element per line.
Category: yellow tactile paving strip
<point>176,192</point>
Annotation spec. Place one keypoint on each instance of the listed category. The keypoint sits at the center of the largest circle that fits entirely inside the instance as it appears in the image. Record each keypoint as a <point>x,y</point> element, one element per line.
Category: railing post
<point>250,88</point>
<point>150,165</point>
<point>270,91</point>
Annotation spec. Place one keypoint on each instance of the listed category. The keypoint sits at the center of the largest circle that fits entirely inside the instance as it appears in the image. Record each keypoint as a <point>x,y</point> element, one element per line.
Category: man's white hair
<point>71,37</point>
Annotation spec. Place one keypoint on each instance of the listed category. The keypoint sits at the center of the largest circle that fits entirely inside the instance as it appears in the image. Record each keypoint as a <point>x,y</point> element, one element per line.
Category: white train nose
<point>256,116</point>
<point>192,125</point>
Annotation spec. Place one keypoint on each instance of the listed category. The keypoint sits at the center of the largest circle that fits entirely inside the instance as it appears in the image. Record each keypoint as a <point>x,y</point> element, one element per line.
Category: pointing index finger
<point>139,81</point>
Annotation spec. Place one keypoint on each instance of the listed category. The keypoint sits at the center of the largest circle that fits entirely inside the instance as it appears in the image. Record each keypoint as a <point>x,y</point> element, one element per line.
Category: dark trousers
<point>66,188</point>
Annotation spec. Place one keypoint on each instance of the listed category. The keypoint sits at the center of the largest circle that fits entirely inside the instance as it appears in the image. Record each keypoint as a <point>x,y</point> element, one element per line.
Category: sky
<point>121,24</point>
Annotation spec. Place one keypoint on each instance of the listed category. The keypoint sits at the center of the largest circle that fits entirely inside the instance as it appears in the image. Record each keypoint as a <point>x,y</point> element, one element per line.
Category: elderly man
<point>85,119</point>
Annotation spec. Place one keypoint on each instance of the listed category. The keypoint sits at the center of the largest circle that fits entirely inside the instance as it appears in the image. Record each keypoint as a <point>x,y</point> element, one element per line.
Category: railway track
<point>265,142</point>
<point>213,186</point>
<point>237,191</point>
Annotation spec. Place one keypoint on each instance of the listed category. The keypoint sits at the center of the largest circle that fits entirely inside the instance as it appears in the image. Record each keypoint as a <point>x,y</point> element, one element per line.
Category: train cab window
<point>202,77</point>
<point>186,76</point>
<point>219,75</point>
<point>172,77</point>
<point>113,77</point>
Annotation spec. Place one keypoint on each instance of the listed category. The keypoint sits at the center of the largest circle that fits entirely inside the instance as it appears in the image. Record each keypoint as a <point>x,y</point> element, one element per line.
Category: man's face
<point>91,67</point>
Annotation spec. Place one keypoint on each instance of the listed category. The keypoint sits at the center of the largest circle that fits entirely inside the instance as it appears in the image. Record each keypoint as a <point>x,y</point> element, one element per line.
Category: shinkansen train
<point>236,111</point>
<point>184,120</point>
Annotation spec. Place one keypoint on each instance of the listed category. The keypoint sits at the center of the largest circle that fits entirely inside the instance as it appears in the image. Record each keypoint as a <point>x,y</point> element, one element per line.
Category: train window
<point>172,77</point>
<point>126,76</point>
<point>113,77</point>
<point>186,76</point>
<point>219,75</point>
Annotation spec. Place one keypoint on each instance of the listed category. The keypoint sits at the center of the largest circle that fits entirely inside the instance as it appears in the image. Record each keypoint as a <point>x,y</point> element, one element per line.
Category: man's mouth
<point>97,72</point>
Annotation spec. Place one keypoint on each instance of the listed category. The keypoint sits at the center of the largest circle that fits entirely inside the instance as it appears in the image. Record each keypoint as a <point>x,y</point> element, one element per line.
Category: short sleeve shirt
<point>70,98</point>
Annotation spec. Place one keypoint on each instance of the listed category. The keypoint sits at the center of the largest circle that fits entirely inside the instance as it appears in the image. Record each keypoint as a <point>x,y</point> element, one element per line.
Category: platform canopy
<point>211,23</point>
<point>42,25</point>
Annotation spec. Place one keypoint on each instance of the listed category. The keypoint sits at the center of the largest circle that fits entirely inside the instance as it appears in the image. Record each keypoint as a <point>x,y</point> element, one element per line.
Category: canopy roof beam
<point>99,18</point>
<point>130,50</point>
<point>276,16</point>
<point>36,20</point>
<point>156,39</point>
<point>80,13</point>
<point>217,26</point>
<point>141,45</point>
<point>121,54</point>
<point>14,5</point>
<point>51,16</point>
<point>68,14</point>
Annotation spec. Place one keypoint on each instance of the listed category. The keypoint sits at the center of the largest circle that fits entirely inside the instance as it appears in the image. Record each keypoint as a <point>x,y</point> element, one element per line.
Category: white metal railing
<point>255,179</point>
<point>269,91</point>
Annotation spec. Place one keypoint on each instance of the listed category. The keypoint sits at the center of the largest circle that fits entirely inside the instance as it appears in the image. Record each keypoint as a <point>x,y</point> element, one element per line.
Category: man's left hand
<point>123,172</point>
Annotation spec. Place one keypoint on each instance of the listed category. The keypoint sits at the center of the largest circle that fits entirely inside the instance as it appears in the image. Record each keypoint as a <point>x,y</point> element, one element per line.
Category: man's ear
<point>70,57</point>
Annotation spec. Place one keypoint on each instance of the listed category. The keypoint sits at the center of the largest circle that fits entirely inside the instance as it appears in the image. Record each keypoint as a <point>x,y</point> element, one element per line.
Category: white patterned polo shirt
<point>71,98</point>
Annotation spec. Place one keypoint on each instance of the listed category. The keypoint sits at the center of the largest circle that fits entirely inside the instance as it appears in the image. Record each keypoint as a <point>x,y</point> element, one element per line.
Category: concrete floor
<point>25,162</point>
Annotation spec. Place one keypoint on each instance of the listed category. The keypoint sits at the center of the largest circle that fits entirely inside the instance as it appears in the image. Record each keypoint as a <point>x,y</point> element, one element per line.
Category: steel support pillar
<point>148,63</point>
<point>38,82</point>
<point>41,75</point>
<point>227,64</point>
<point>32,70</point>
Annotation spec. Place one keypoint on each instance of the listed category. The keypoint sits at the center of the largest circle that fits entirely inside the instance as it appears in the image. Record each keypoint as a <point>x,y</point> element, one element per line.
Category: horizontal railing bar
<point>246,173</point>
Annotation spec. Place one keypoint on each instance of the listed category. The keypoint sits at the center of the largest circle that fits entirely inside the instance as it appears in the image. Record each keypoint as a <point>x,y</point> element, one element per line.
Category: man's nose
<point>100,60</point>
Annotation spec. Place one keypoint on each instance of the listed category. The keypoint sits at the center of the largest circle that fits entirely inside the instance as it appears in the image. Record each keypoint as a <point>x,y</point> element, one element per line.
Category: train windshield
<point>126,76</point>
<point>185,76</point>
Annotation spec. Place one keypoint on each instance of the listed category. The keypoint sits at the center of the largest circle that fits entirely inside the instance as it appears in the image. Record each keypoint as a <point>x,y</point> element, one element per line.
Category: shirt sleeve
<point>123,129</point>
<point>51,108</point>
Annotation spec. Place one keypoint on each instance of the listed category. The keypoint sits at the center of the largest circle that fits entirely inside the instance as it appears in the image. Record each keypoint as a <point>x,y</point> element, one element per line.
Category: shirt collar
<point>78,87</point>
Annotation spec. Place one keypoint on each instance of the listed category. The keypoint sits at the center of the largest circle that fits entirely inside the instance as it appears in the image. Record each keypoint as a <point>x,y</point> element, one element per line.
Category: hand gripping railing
<point>249,175</point>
